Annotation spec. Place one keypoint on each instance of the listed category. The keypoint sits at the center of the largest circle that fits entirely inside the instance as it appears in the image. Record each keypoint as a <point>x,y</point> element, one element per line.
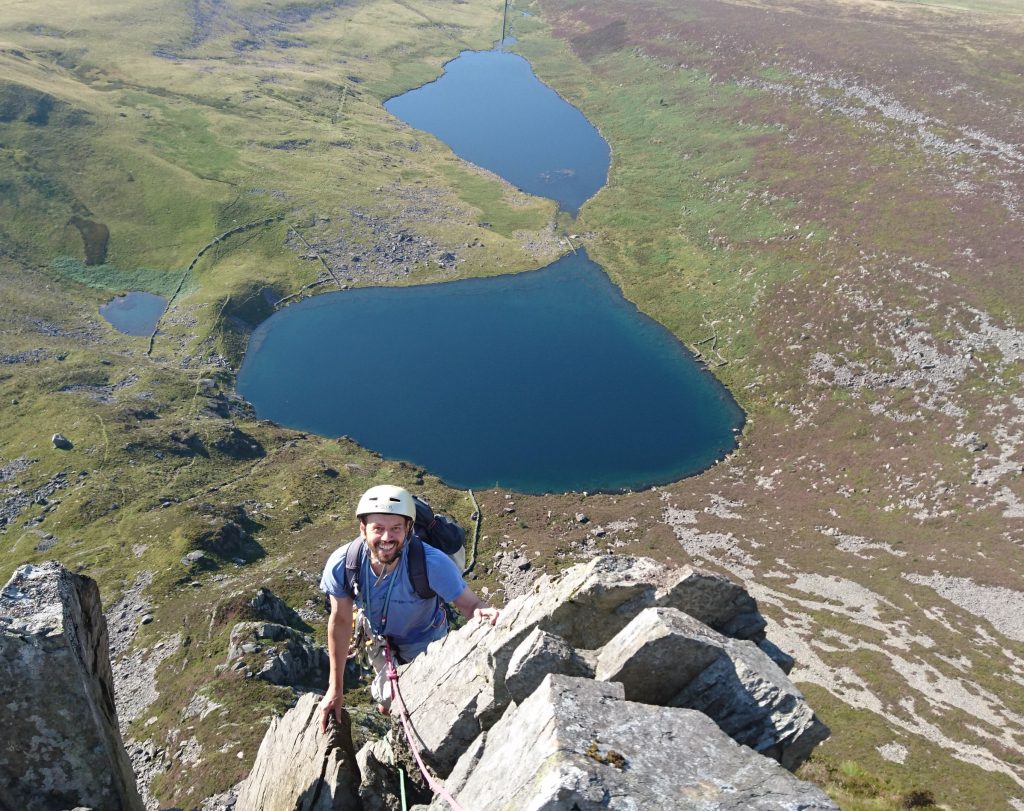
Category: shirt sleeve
<point>444,576</point>
<point>332,582</point>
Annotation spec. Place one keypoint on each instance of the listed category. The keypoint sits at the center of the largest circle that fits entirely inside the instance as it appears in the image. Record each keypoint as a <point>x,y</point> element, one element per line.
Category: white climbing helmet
<point>387,499</point>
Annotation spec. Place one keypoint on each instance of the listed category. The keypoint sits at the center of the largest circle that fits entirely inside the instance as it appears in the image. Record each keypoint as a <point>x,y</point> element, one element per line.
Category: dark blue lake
<point>492,110</point>
<point>542,381</point>
<point>135,313</point>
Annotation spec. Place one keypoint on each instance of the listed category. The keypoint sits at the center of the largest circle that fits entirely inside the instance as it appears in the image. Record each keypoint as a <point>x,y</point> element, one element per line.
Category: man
<point>383,589</point>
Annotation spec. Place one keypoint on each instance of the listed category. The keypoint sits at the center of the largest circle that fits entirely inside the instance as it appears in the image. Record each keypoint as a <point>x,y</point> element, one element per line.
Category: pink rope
<point>396,696</point>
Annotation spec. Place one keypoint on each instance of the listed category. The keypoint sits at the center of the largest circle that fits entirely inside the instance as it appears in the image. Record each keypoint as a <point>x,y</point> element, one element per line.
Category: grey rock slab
<point>756,704</point>
<point>61,747</point>
<point>590,604</point>
<point>714,600</point>
<point>449,692</point>
<point>298,768</point>
<point>658,654</point>
<point>377,766</point>
<point>587,605</point>
<point>577,745</point>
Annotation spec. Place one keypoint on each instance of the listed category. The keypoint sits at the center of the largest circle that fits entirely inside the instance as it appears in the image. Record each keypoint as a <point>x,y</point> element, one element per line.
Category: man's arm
<point>339,640</point>
<point>470,605</point>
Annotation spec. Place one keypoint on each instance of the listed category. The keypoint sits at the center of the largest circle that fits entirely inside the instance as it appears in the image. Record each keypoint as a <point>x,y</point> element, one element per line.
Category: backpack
<point>437,530</point>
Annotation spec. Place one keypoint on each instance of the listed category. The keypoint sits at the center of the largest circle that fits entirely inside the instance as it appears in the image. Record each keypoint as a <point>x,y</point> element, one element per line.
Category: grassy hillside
<point>823,198</point>
<point>826,199</point>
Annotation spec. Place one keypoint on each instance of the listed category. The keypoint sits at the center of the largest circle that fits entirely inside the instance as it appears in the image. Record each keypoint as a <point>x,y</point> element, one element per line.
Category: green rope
<point>401,787</point>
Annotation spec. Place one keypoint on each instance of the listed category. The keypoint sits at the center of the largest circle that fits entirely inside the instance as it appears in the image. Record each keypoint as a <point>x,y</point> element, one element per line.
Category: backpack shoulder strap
<point>418,569</point>
<point>353,565</point>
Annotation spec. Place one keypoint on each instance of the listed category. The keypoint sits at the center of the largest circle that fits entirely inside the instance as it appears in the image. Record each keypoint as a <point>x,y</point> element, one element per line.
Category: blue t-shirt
<point>412,622</point>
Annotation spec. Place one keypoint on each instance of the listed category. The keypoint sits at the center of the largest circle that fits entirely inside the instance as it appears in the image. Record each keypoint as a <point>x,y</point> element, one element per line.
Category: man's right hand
<point>331,705</point>
<point>339,643</point>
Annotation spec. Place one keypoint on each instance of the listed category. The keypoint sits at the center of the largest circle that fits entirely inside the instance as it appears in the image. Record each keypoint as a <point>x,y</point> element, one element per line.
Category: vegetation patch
<point>108,277</point>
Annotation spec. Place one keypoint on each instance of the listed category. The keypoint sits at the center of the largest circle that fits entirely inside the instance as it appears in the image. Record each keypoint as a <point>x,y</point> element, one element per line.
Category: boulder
<point>658,654</point>
<point>668,658</point>
<point>577,744</point>
<point>756,704</point>
<point>298,768</point>
<point>61,442</point>
<point>61,747</point>
<point>197,560</point>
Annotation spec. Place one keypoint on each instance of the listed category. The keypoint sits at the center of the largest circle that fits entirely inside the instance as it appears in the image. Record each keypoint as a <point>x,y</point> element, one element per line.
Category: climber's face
<point>385,536</point>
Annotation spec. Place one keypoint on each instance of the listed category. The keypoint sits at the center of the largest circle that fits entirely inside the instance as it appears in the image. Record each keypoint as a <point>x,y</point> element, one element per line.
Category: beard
<point>388,556</point>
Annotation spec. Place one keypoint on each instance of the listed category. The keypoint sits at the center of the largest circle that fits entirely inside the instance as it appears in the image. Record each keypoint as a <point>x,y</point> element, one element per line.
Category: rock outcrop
<point>268,606</point>
<point>537,656</point>
<point>277,654</point>
<point>61,442</point>
<point>299,769</point>
<point>585,607</point>
<point>619,684</point>
<point>668,658</point>
<point>61,747</point>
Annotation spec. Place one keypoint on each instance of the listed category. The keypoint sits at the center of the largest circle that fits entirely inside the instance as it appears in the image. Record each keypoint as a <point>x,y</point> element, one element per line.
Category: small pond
<point>541,381</point>
<point>492,110</point>
<point>135,313</point>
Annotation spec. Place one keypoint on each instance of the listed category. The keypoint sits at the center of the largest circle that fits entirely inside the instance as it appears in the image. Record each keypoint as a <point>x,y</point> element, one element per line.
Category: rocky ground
<point>360,247</point>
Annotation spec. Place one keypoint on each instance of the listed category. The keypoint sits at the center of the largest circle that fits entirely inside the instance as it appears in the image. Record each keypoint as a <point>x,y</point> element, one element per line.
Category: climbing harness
<point>396,699</point>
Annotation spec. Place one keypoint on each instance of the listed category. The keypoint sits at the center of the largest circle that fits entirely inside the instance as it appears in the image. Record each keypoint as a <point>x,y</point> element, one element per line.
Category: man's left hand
<point>487,614</point>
